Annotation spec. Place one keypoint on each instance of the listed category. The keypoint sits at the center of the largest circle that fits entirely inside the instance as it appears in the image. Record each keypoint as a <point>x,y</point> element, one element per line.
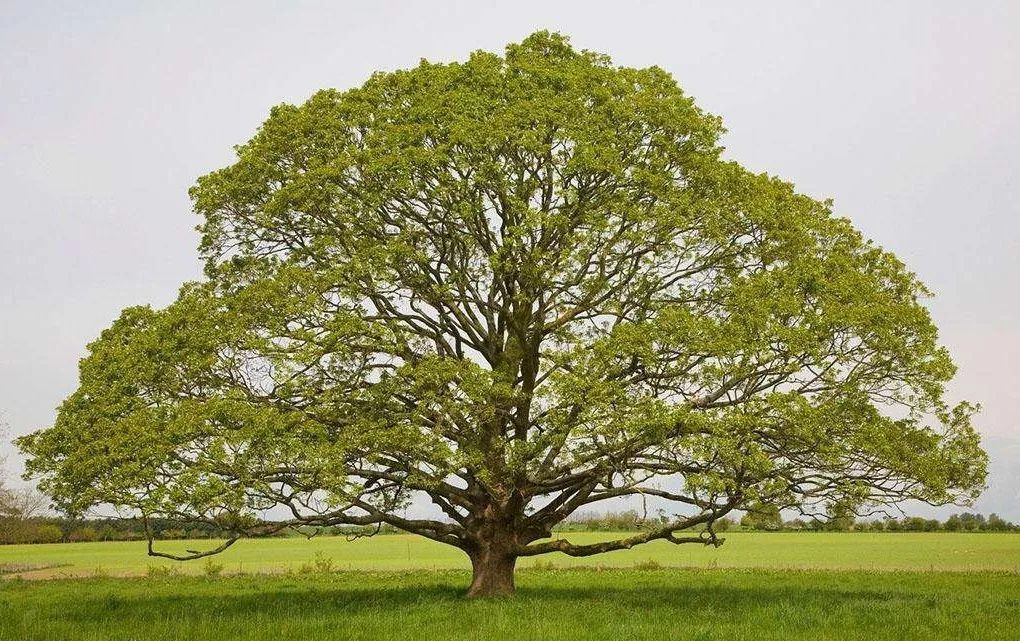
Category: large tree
<point>514,286</point>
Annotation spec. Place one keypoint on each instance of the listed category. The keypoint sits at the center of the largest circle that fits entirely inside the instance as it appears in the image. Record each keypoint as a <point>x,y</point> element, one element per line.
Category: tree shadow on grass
<point>290,600</point>
<point>309,599</point>
<point>695,596</point>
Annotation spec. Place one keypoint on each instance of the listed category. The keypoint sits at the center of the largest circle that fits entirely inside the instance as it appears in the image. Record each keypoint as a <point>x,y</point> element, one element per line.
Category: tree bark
<point>492,572</point>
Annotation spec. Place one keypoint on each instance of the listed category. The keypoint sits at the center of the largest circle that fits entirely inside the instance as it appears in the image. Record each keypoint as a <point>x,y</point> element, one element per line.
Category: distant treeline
<point>41,529</point>
<point>64,530</point>
<point>773,522</point>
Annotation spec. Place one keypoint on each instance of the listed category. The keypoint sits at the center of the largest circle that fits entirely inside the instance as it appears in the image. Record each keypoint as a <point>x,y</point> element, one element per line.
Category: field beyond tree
<point>888,551</point>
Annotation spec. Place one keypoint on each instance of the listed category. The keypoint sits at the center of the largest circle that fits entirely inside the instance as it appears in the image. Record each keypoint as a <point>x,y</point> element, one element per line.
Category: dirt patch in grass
<point>21,568</point>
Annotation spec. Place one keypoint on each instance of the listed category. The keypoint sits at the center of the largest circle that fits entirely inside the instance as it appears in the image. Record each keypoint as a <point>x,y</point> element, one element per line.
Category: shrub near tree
<point>514,287</point>
<point>82,535</point>
<point>47,533</point>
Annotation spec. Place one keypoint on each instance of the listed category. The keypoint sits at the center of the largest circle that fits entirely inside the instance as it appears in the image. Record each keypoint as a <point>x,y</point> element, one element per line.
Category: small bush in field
<point>323,563</point>
<point>160,571</point>
<point>648,565</point>
<point>211,568</point>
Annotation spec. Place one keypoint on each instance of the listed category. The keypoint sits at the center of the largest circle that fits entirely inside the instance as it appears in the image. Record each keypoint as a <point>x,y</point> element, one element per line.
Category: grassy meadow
<point>779,550</point>
<point>758,585</point>
<point>550,605</point>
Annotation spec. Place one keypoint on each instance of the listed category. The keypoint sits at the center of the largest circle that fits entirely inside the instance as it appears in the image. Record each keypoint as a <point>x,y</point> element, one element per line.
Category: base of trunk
<point>492,575</point>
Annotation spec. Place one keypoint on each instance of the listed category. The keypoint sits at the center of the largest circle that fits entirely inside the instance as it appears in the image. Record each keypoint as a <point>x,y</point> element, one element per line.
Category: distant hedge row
<point>773,522</point>
<point>62,530</point>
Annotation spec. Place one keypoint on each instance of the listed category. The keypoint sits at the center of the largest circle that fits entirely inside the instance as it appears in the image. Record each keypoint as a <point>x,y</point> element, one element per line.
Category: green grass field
<point>785,586</point>
<point>550,605</point>
<point>782,550</point>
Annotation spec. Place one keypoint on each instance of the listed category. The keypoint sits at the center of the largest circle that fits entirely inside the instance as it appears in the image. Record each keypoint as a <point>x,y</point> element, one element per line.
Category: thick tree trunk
<point>492,572</point>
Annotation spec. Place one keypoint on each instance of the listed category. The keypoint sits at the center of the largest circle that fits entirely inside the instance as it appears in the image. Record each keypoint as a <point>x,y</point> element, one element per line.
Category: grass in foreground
<point>550,605</point>
<point>798,550</point>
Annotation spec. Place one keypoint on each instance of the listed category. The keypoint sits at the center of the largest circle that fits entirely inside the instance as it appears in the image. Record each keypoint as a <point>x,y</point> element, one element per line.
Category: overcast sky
<point>908,116</point>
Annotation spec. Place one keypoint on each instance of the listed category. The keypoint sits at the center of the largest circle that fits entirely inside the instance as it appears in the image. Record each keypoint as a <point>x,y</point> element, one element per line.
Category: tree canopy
<point>514,286</point>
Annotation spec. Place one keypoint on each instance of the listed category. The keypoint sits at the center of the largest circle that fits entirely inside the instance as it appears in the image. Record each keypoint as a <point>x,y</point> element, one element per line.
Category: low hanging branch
<point>666,532</point>
<point>508,288</point>
<point>191,554</point>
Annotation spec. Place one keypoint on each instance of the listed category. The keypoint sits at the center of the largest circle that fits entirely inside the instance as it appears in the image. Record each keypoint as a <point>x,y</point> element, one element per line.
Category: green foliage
<point>29,531</point>
<point>515,285</point>
<point>82,535</point>
<point>211,568</point>
<point>47,533</point>
<point>160,571</point>
<point>323,563</point>
<point>762,517</point>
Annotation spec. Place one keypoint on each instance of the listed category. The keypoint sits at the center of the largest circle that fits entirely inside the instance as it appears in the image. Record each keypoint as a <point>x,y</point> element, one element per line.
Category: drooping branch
<point>666,532</point>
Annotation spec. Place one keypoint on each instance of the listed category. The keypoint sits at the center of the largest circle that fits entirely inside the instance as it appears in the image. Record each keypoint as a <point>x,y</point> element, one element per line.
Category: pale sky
<point>908,116</point>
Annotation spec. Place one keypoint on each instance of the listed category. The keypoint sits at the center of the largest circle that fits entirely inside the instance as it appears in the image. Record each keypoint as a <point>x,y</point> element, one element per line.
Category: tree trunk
<point>492,572</point>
